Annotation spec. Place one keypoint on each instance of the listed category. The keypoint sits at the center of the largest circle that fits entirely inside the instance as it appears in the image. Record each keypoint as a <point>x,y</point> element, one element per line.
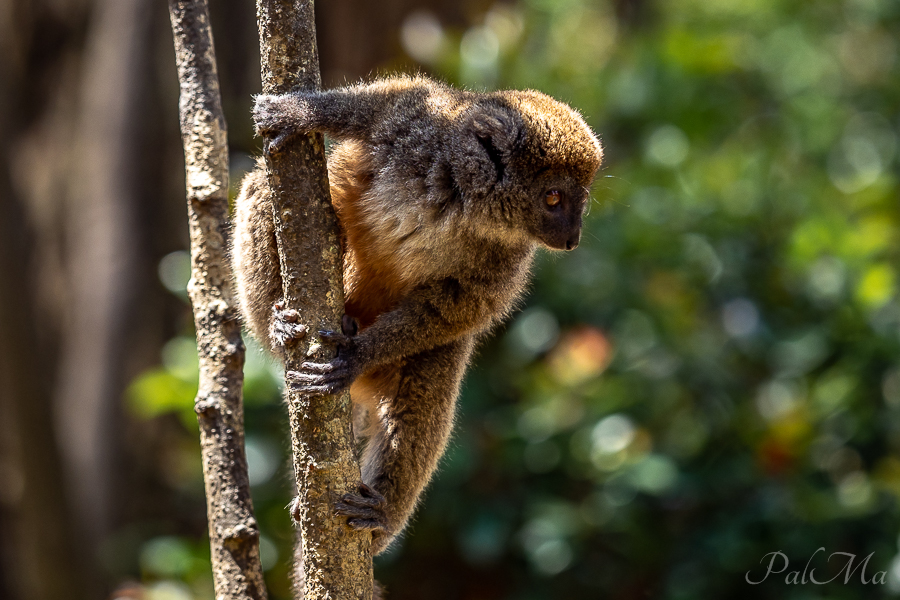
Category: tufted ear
<point>497,132</point>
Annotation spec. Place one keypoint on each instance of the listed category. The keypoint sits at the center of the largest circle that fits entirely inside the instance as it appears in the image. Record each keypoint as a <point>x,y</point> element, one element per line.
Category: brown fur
<point>441,196</point>
<point>373,285</point>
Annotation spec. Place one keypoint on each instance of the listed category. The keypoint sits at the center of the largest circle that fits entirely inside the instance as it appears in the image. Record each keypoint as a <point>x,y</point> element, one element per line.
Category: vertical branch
<point>335,562</point>
<point>233,532</point>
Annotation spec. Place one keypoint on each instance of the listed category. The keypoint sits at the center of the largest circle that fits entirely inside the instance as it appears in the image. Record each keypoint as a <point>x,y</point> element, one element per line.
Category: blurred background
<point>714,375</point>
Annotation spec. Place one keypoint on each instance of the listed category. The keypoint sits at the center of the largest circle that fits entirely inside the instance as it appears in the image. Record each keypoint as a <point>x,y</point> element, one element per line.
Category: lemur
<point>442,196</point>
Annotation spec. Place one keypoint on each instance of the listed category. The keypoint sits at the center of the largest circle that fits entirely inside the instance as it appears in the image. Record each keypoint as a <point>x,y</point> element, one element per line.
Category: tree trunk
<point>36,560</point>
<point>39,554</point>
<point>334,561</point>
<point>233,531</point>
<point>101,263</point>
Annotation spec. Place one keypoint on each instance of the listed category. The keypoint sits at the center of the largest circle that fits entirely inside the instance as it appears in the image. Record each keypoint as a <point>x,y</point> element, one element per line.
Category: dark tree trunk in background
<point>358,36</point>
<point>37,556</point>
<point>101,262</point>
<point>37,46</point>
<point>71,73</point>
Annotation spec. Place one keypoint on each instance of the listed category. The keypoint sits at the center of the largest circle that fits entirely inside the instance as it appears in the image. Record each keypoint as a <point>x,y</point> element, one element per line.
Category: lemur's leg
<point>410,430</point>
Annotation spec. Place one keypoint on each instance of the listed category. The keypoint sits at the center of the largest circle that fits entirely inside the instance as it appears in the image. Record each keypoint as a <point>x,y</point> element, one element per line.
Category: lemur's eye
<point>553,197</point>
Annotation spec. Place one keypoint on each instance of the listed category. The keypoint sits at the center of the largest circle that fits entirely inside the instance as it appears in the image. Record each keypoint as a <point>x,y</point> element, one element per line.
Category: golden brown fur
<point>373,283</point>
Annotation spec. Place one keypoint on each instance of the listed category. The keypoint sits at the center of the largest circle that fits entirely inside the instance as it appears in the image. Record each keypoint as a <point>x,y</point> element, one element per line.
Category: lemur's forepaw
<point>268,113</point>
<point>336,375</point>
<point>365,510</point>
<point>271,114</point>
<point>286,328</point>
<point>321,379</point>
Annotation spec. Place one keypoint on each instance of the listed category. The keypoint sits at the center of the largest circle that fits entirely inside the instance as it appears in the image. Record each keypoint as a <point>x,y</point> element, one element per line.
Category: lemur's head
<point>529,161</point>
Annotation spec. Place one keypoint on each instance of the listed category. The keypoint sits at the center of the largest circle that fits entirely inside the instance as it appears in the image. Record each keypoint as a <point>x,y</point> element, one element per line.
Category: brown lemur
<point>442,197</point>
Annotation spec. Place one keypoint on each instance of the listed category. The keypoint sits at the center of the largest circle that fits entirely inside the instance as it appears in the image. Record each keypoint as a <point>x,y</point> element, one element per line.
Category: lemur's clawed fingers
<point>329,377</point>
<point>274,145</point>
<point>285,328</point>
<point>268,113</point>
<point>368,496</point>
<point>365,510</point>
<point>321,378</point>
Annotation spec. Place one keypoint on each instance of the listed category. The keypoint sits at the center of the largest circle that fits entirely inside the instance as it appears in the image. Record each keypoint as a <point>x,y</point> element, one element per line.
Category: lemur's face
<point>558,207</point>
<point>545,202</point>
<point>531,160</point>
<point>555,161</point>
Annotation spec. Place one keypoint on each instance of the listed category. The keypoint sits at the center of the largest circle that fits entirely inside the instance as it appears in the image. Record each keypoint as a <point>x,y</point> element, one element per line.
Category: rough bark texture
<point>336,561</point>
<point>233,531</point>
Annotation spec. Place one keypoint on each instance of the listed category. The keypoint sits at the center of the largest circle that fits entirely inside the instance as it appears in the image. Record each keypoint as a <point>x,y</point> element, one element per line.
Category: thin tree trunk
<point>334,561</point>
<point>233,531</point>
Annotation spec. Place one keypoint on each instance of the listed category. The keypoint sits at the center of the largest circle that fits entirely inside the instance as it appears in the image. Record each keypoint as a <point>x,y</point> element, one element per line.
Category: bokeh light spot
<point>423,37</point>
<point>740,318</point>
<point>166,556</point>
<point>612,434</point>
<point>667,146</point>
<point>175,271</point>
<point>534,331</point>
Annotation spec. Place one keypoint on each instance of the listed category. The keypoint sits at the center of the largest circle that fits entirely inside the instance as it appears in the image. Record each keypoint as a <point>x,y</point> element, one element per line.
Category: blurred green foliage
<point>714,375</point>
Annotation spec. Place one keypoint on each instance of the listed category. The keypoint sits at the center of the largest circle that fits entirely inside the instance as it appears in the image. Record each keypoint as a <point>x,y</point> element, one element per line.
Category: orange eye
<point>553,197</point>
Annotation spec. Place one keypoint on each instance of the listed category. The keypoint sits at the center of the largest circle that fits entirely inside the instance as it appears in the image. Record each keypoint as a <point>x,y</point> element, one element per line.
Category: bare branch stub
<point>336,560</point>
<point>233,531</point>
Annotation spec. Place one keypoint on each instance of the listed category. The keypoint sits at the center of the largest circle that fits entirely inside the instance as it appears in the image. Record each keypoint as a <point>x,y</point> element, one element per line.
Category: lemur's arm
<point>349,112</point>
<point>432,315</point>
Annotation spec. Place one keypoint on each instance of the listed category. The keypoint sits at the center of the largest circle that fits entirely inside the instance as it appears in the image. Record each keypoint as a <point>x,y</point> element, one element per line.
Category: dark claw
<point>274,145</point>
<point>334,337</point>
<point>295,509</point>
<point>349,325</point>
<point>365,510</point>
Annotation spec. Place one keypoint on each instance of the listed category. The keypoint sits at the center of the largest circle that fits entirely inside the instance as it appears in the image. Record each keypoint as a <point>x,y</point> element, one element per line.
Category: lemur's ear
<point>496,132</point>
<point>499,125</point>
